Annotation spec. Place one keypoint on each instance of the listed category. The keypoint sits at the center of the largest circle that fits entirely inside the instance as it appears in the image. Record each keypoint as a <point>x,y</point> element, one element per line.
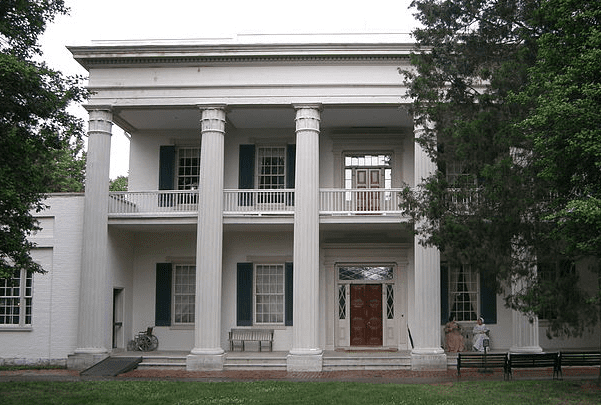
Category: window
<point>463,293</point>
<point>188,168</point>
<point>269,293</point>
<point>271,168</point>
<point>16,296</point>
<point>184,287</point>
<point>551,275</point>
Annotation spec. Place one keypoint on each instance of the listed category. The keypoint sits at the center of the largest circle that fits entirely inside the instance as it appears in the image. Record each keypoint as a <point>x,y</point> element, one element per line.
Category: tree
<point>36,131</point>
<point>119,184</point>
<point>478,85</point>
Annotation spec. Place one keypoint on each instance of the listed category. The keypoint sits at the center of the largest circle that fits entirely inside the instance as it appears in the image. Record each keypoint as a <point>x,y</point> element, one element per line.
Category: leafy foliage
<point>38,137</point>
<point>506,102</point>
<point>119,184</point>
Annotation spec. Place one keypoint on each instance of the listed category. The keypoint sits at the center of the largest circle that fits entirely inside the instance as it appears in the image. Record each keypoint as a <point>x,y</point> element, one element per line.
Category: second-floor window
<point>188,168</point>
<point>271,167</point>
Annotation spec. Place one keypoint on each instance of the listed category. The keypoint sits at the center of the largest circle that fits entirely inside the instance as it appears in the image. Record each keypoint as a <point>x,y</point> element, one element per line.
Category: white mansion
<point>263,193</point>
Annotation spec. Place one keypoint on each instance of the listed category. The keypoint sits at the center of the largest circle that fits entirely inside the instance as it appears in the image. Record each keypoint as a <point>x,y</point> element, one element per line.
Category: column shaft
<point>305,339</point>
<point>425,325</point>
<point>207,352</point>
<point>95,295</point>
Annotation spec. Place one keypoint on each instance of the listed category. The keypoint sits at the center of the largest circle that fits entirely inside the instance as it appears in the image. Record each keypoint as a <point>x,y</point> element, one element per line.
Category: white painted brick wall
<point>53,332</point>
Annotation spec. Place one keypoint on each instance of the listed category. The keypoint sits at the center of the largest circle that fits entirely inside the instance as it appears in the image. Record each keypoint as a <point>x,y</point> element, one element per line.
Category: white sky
<point>188,19</point>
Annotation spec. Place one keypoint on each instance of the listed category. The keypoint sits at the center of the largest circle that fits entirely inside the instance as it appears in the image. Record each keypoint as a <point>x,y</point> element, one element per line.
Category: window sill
<point>7,328</point>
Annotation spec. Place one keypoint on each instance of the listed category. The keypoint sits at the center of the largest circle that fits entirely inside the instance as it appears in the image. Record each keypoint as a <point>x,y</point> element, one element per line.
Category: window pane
<point>269,293</point>
<point>184,287</point>
<point>365,273</point>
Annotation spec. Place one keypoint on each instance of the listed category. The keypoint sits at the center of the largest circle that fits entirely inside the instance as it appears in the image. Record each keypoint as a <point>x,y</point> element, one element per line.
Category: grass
<point>277,392</point>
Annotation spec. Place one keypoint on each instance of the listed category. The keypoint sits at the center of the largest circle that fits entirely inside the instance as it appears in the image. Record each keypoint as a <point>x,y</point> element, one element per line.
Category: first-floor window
<point>16,294</point>
<point>269,293</point>
<point>184,288</point>
<point>549,275</point>
<point>463,293</point>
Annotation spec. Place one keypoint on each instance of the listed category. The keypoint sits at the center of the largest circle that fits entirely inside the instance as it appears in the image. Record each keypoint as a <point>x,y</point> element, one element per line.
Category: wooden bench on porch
<point>535,360</point>
<point>483,361</point>
<point>238,337</point>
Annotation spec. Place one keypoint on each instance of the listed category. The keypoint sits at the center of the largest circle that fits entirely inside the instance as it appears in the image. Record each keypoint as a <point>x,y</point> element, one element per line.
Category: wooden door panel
<point>366,315</point>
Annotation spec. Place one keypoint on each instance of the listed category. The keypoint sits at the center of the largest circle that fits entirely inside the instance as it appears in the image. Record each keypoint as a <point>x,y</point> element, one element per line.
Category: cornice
<point>150,54</point>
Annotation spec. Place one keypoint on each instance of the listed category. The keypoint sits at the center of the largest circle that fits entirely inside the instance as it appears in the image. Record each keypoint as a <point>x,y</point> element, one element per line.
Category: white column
<point>95,298</point>
<point>306,355</point>
<point>207,353</point>
<point>425,328</point>
<point>524,328</point>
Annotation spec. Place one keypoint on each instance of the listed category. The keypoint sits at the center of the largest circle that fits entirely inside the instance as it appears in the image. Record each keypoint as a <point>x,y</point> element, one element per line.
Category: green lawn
<point>273,392</point>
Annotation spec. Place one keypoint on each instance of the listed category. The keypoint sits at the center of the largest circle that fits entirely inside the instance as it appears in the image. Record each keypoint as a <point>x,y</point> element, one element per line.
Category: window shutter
<point>246,174</point>
<point>290,172</point>
<point>444,293</point>
<point>290,165</point>
<point>162,314</point>
<point>488,300</point>
<point>167,167</point>
<point>244,298</point>
<point>288,289</point>
<point>246,168</point>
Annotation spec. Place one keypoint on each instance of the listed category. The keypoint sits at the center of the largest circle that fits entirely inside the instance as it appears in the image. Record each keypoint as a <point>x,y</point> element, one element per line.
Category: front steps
<point>332,361</point>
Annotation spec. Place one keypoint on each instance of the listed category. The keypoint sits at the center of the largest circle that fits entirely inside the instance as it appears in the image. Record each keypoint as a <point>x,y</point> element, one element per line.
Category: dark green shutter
<point>488,300</point>
<point>290,171</point>
<point>288,289</point>
<point>167,167</point>
<point>244,298</point>
<point>444,293</point>
<point>162,313</point>
<point>166,174</point>
<point>246,173</point>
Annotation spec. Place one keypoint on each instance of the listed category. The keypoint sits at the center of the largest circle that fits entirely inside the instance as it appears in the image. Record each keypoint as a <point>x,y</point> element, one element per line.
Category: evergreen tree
<point>480,80</point>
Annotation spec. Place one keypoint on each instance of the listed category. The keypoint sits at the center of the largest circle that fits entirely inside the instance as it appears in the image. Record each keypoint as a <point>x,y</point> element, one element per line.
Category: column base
<point>85,358</point>
<point>428,359</point>
<point>525,349</point>
<point>305,361</point>
<point>205,361</point>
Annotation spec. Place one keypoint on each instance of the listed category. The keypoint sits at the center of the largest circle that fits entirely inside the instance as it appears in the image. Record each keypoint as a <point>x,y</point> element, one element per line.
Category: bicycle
<point>144,341</point>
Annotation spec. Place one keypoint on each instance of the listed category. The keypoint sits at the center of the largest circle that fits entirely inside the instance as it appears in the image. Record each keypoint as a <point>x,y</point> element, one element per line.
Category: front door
<point>366,315</point>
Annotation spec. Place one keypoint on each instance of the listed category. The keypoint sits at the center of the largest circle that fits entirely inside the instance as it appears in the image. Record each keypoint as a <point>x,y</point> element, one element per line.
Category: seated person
<point>480,334</point>
<point>453,337</point>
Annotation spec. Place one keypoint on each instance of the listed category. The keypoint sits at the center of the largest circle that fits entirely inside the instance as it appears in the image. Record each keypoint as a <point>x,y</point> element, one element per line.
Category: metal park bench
<point>573,358</point>
<point>238,337</point>
<point>535,360</point>
<point>483,362</point>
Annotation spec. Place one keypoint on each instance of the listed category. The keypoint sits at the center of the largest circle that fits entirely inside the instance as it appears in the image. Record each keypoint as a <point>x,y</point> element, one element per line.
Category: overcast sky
<point>189,19</point>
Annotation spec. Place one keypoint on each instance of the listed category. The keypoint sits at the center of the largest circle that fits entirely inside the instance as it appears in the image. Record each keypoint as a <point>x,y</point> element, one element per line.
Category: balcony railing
<point>257,202</point>
<point>360,201</point>
<point>153,202</point>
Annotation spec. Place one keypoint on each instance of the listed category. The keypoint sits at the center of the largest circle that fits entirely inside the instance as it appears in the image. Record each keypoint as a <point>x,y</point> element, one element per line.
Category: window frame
<point>474,296</point>
<point>186,185</point>
<point>25,300</point>
<point>282,293</point>
<point>280,185</point>
<point>174,294</point>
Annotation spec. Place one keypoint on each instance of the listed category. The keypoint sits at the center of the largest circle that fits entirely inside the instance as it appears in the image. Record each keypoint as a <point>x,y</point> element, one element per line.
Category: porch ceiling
<point>188,117</point>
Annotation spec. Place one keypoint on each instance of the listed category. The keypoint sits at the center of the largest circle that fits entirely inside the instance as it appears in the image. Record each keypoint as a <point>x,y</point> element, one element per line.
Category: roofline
<point>245,49</point>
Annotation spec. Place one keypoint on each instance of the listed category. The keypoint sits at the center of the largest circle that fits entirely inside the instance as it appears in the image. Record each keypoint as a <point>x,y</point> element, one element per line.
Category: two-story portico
<point>263,190</point>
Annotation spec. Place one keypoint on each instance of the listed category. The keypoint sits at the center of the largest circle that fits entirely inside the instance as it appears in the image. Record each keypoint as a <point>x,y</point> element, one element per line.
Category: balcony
<point>241,203</point>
